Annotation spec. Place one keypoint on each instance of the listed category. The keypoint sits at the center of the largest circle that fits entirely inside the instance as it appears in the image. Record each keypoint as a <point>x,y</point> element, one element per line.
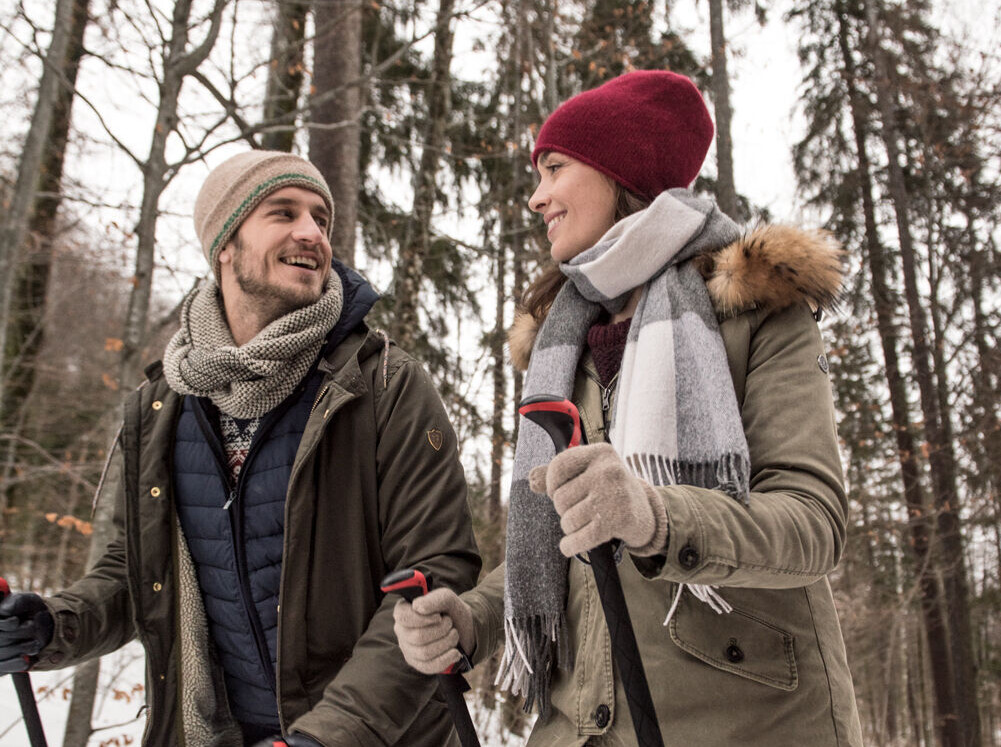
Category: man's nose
<point>307,230</point>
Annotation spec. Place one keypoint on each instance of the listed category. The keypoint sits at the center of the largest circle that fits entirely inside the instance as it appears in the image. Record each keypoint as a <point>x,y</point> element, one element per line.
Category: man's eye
<point>552,167</point>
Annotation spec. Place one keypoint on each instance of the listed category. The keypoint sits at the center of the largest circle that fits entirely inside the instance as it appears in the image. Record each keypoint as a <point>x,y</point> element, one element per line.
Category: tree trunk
<point>406,327</point>
<point>726,192</point>
<point>27,310</point>
<point>336,151</point>
<point>948,556</point>
<point>285,75</point>
<point>885,306</point>
<point>178,63</point>
<point>14,226</point>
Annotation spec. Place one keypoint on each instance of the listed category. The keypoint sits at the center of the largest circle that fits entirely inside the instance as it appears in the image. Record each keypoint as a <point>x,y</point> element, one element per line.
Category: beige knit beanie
<point>238,185</point>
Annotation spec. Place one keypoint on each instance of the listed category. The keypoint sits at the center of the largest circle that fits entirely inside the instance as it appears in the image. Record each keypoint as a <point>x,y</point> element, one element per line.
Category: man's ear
<point>225,255</point>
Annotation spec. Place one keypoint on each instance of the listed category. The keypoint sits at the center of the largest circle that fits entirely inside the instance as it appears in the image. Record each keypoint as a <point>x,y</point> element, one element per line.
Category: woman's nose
<point>539,199</point>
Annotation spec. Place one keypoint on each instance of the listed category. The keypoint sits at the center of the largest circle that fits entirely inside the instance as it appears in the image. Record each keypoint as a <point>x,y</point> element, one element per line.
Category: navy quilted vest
<point>237,550</point>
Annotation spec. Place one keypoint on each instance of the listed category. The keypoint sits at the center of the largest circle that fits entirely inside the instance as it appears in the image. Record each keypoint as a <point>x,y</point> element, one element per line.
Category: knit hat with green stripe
<point>235,187</point>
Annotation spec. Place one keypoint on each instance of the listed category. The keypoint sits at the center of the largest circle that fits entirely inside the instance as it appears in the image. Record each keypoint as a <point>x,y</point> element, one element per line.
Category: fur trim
<point>521,338</point>
<point>773,267</point>
<point>770,267</point>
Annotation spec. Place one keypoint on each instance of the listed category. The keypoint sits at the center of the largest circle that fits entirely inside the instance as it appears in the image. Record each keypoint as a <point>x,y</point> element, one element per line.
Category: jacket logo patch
<point>435,438</point>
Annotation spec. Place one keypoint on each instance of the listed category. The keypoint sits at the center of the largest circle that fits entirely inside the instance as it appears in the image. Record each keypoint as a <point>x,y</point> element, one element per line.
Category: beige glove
<point>599,499</point>
<point>430,629</point>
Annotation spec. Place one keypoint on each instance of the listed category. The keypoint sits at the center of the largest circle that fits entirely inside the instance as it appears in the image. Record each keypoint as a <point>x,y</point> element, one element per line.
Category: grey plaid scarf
<point>676,419</point>
<point>248,381</point>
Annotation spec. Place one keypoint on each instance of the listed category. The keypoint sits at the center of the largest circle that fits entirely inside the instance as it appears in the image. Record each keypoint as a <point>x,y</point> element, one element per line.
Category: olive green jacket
<point>376,486</point>
<point>773,671</point>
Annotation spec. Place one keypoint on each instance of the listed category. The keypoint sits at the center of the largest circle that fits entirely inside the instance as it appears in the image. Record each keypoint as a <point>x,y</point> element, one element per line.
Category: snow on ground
<point>116,712</point>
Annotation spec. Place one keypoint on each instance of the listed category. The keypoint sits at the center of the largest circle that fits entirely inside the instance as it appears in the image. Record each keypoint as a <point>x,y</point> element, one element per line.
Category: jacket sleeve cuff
<point>682,554</point>
<point>486,602</point>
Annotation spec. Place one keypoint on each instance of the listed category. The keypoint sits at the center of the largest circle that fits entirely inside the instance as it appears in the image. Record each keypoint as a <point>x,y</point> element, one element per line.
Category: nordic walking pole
<point>25,695</point>
<point>560,419</point>
<point>410,583</point>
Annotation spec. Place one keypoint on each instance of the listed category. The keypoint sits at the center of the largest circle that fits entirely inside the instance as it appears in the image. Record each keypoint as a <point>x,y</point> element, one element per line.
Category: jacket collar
<point>770,268</point>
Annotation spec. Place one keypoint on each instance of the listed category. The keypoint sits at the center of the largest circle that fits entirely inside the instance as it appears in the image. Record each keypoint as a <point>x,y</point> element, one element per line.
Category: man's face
<point>279,259</point>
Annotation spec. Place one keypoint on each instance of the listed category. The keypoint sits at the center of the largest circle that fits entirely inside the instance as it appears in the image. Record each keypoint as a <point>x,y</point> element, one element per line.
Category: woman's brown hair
<point>541,292</point>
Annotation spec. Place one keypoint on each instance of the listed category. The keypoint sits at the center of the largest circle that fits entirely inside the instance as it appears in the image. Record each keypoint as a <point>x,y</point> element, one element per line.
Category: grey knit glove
<point>599,499</point>
<point>430,629</point>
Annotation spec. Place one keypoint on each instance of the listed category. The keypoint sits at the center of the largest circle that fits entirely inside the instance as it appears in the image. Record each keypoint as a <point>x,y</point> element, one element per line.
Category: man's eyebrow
<point>291,202</point>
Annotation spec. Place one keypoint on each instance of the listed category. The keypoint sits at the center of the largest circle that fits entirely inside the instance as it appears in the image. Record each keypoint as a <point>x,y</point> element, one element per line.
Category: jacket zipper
<point>236,526</point>
<point>316,401</point>
<point>606,395</point>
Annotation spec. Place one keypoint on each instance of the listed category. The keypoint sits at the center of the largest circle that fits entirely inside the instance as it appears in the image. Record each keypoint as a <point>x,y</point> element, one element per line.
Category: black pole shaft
<point>625,651</point>
<point>453,686</point>
<point>29,709</point>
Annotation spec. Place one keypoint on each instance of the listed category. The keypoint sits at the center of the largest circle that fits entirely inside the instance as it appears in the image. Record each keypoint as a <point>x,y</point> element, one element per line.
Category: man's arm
<point>425,524</point>
<point>93,617</point>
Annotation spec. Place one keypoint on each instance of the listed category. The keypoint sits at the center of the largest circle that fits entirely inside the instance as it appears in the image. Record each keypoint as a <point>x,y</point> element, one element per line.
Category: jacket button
<point>688,557</point>
<point>602,716</point>
<point>70,634</point>
<point>157,405</point>
<point>734,653</point>
<point>155,492</point>
<point>157,586</point>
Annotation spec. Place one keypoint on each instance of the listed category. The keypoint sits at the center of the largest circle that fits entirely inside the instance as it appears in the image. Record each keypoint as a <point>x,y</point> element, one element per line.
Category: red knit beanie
<point>648,130</point>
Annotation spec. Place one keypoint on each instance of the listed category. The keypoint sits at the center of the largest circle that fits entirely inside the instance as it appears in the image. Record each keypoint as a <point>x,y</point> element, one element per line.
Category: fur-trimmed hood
<point>770,267</point>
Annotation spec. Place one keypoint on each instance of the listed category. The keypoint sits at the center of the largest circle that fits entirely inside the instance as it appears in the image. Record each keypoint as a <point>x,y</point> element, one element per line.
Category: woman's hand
<point>599,499</point>
<point>430,629</point>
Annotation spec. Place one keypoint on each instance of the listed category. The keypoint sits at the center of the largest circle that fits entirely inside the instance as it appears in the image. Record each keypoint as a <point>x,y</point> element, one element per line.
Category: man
<point>280,461</point>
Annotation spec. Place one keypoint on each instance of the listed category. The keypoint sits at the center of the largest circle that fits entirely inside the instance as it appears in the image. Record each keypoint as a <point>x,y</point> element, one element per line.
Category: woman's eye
<point>553,167</point>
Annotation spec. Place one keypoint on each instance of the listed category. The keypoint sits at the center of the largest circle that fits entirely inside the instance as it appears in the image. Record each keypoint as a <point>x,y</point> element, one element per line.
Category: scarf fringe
<point>705,594</point>
<point>541,639</point>
<point>731,473</point>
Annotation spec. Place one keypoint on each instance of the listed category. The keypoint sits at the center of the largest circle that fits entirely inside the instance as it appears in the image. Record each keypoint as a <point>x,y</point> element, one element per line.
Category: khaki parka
<point>773,671</point>
<point>376,486</point>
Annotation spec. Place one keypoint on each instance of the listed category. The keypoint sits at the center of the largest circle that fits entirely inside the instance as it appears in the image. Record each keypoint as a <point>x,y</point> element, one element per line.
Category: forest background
<point>880,124</point>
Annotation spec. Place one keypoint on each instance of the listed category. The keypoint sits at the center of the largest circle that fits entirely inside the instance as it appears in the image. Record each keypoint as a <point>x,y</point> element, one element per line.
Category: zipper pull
<point>232,497</point>
<point>606,398</point>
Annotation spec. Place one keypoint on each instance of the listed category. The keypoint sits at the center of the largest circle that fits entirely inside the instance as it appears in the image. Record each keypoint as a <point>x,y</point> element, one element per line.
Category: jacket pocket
<point>736,642</point>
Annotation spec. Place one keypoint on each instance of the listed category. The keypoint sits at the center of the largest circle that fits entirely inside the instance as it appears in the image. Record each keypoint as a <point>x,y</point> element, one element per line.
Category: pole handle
<point>25,693</point>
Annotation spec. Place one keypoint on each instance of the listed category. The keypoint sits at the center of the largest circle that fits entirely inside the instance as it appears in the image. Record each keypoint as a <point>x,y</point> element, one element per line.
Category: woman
<point>694,357</point>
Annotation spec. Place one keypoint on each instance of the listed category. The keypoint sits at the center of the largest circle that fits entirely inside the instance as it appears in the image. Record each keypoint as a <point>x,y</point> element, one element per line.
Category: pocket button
<point>688,557</point>
<point>602,716</point>
<point>734,653</point>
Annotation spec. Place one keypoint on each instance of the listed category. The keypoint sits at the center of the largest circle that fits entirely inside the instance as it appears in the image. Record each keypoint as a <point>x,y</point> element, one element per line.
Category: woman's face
<point>576,201</point>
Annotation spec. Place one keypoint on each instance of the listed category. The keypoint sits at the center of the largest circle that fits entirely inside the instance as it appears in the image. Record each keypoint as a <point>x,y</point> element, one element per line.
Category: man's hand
<point>26,627</point>
<point>599,499</point>
<point>430,629</point>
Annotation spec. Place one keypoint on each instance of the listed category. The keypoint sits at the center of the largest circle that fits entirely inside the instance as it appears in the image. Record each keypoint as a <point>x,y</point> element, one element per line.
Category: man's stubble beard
<point>272,301</point>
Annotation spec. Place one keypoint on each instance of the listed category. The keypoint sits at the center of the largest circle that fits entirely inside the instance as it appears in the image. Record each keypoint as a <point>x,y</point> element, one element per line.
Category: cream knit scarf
<point>676,419</point>
<point>248,381</point>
